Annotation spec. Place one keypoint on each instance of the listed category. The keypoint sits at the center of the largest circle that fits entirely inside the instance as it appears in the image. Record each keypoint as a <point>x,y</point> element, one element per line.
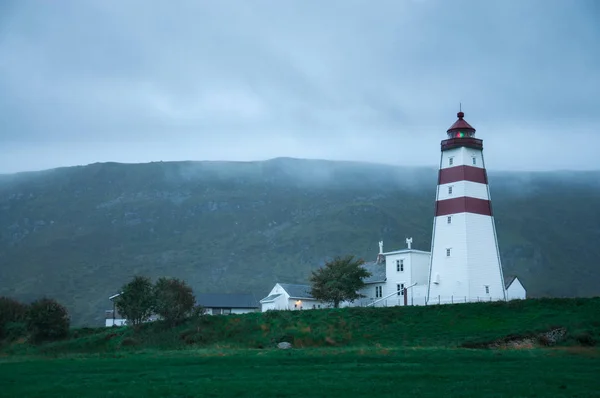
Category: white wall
<point>395,277</point>
<point>463,188</point>
<point>305,304</point>
<point>243,310</point>
<point>462,156</point>
<point>516,291</point>
<point>117,322</point>
<point>209,310</point>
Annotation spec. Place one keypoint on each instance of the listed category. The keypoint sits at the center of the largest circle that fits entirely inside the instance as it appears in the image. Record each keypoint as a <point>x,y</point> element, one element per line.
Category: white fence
<point>420,300</point>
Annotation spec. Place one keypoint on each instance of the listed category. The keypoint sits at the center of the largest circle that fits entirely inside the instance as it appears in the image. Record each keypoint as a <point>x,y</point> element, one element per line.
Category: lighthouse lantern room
<point>465,260</point>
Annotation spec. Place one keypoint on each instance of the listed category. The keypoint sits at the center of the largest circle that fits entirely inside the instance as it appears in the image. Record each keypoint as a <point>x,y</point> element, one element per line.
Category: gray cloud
<point>134,81</point>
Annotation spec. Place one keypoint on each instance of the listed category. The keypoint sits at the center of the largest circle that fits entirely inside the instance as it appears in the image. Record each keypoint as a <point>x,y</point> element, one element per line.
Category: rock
<point>284,345</point>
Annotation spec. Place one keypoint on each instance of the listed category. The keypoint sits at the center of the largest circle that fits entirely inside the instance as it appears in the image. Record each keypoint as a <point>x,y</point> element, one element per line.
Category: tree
<point>174,299</point>
<point>11,311</point>
<point>136,302</point>
<point>339,280</point>
<point>47,319</point>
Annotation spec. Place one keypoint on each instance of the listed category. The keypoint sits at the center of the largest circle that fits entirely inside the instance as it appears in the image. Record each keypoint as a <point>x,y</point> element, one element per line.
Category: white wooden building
<point>287,296</point>
<point>399,277</point>
<point>514,288</point>
<point>112,317</point>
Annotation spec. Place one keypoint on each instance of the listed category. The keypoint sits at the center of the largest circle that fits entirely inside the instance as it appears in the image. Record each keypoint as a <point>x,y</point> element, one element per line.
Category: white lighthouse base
<point>465,265</point>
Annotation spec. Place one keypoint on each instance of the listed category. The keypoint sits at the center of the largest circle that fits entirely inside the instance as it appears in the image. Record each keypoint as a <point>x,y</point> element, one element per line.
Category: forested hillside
<point>78,233</point>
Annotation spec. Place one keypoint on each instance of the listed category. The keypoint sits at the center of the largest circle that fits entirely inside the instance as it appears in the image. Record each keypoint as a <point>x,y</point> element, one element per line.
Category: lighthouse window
<point>448,252</point>
<point>487,290</point>
<point>450,161</point>
<point>449,190</point>
<point>449,219</point>
<point>474,160</point>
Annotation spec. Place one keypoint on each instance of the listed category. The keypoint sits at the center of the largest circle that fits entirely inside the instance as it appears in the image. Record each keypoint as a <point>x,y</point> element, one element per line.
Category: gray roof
<point>271,297</point>
<point>377,271</point>
<point>297,291</point>
<point>508,280</point>
<point>226,300</point>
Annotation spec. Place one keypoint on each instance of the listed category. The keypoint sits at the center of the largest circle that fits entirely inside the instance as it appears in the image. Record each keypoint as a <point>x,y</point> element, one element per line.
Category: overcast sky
<point>86,81</point>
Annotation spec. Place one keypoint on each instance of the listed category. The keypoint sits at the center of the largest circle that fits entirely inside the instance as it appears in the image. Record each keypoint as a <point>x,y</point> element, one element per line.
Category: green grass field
<point>345,352</point>
<point>331,372</point>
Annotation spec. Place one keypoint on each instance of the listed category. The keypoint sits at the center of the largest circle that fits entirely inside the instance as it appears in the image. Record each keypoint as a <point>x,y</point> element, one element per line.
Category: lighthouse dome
<point>460,128</point>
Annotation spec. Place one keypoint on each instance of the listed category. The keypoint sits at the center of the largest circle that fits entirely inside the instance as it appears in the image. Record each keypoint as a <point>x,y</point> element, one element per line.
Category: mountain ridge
<point>78,233</point>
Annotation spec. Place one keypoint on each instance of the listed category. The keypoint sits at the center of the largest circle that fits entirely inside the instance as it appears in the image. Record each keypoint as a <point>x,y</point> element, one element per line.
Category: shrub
<point>136,303</point>
<point>47,319</point>
<point>11,311</point>
<point>174,299</point>
<point>586,339</point>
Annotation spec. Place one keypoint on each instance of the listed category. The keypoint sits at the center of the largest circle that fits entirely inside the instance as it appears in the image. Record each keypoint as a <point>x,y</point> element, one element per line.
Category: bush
<point>47,319</point>
<point>586,339</point>
<point>15,330</point>
<point>11,311</point>
<point>136,303</point>
<point>174,299</point>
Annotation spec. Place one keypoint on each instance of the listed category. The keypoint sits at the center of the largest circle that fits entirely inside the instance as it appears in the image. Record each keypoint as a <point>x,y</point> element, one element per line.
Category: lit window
<point>449,219</point>
<point>474,160</point>
<point>449,190</point>
<point>450,161</point>
<point>487,290</point>
<point>447,252</point>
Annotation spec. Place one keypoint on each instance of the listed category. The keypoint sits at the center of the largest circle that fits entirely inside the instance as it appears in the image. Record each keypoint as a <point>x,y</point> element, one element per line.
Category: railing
<point>468,142</point>
<point>433,300</point>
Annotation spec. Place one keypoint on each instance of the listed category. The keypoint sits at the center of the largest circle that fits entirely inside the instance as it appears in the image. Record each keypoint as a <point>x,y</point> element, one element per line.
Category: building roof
<point>406,251</point>
<point>114,296</point>
<point>508,280</point>
<point>377,270</point>
<point>297,291</point>
<point>460,124</point>
<point>270,298</point>
<point>226,300</point>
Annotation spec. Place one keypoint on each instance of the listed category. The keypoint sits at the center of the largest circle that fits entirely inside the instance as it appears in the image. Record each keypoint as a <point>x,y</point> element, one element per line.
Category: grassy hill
<point>450,326</point>
<point>78,233</point>
<point>337,352</point>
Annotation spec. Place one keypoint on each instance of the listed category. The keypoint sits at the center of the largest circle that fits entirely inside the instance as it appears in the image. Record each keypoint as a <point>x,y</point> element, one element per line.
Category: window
<point>400,288</point>
<point>226,311</point>
<point>474,160</point>
<point>448,252</point>
<point>449,219</point>
<point>378,292</point>
<point>216,311</point>
<point>450,161</point>
<point>450,190</point>
<point>400,265</point>
<point>314,306</point>
<point>487,290</point>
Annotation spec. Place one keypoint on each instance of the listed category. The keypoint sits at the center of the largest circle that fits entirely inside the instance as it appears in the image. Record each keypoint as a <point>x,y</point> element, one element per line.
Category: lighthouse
<point>465,259</point>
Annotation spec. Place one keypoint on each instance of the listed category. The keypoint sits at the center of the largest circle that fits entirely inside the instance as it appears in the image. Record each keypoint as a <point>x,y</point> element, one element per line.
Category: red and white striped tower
<point>465,259</point>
